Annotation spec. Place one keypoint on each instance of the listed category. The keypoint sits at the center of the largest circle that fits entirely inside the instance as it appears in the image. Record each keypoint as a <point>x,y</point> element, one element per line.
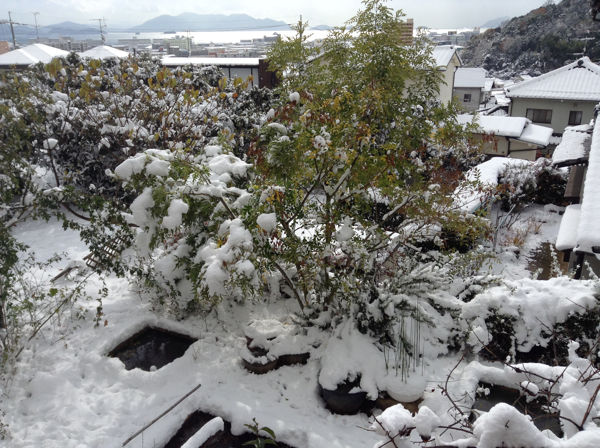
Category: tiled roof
<point>579,81</point>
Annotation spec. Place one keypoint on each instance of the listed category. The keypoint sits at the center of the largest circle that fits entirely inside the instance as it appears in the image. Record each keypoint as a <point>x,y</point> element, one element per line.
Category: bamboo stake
<point>161,415</point>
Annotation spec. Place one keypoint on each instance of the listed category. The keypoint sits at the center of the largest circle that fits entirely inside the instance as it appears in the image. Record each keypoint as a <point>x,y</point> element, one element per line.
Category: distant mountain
<point>540,41</point>
<point>321,28</point>
<point>23,33</point>
<point>495,23</point>
<point>208,22</point>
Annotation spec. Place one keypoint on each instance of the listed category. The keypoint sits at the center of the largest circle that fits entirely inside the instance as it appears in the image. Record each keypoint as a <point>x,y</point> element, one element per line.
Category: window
<point>467,98</point>
<point>540,115</point>
<point>575,117</point>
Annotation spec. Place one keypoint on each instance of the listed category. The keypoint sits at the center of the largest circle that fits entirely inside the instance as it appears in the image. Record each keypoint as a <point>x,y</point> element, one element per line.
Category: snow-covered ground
<point>66,392</point>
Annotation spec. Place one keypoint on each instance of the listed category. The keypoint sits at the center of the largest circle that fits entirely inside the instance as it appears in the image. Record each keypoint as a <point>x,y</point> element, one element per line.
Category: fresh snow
<point>66,391</point>
<point>574,145</point>
<point>588,236</point>
<point>471,198</point>
<point>267,221</point>
<point>567,234</point>
<point>205,433</point>
<point>519,128</point>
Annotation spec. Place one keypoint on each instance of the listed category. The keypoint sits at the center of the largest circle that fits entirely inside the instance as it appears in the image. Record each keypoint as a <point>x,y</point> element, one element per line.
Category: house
<point>469,87</point>
<point>578,236</point>
<point>560,98</point>
<point>104,52</point>
<point>243,68</point>
<point>447,60</point>
<point>29,55</point>
<point>514,137</point>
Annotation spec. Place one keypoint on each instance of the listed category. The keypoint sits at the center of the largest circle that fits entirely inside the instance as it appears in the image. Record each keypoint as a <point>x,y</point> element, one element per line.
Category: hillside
<point>208,22</point>
<point>540,41</point>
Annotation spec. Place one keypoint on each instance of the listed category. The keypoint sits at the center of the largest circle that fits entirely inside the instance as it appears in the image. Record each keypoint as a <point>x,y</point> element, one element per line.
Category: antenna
<point>189,44</point>
<point>102,25</point>
<point>37,33</point>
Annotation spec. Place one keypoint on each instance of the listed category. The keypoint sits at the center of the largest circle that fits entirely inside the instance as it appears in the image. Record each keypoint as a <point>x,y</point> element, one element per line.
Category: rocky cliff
<point>538,42</point>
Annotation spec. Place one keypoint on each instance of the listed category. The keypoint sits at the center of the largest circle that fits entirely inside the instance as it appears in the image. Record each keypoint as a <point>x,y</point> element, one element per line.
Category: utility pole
<point>12,31</point>
<point>37,32</point>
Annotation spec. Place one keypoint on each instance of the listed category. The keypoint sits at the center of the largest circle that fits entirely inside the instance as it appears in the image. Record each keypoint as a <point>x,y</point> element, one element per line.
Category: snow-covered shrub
<point>190,245</point>
<point>359,171</point>
<point>98,113</point>
<point>511,320</point>
<point>28,186</point>
<point>538,183</point>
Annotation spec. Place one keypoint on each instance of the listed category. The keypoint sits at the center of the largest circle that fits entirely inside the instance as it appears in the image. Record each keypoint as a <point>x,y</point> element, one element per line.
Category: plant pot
<point>342,401</point>
<point>290,360</point>
<point>384,401</point>
<point>258,367</point>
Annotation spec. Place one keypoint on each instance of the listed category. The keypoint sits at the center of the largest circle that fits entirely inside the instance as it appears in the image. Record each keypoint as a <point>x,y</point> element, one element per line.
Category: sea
<point>207,37</point>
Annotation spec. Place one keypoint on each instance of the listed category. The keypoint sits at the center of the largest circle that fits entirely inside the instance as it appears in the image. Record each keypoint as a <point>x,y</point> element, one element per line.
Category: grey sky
<point>433,13</point>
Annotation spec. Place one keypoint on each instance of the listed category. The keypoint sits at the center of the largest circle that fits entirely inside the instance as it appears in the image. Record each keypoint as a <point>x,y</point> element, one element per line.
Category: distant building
<point>563,97</point>
<point>406,31</point>
<point>243,68</point>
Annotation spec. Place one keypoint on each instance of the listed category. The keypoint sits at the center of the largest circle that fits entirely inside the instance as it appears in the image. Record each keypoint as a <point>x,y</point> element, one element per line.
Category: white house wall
<point>560,110</point>
<point>447,83</point>
<point>469,106</point>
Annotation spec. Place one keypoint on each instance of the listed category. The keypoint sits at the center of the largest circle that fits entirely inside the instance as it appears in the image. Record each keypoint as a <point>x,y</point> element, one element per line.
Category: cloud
<point>434,13</point>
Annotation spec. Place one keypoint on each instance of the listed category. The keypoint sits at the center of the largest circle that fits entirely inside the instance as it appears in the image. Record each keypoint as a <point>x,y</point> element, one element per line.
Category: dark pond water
<point>223,439</point>
<point>151,347</point>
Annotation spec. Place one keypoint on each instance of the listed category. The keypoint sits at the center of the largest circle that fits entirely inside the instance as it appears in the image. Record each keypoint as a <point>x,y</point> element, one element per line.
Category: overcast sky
<point>433,13</point>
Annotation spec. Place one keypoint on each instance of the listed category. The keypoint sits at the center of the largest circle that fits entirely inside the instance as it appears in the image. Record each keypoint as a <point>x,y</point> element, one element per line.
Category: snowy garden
<point>189,262</point>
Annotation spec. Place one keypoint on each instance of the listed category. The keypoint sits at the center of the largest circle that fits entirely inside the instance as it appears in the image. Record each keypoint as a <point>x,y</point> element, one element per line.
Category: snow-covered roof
<point>588,237</point>
<point>473,77</point>
<point>31,54</point>
<point>442,55</point>
<point>574,146</point>
<point>104,52</point>
<point>578,81</point>
<point>489,84</point>
<point>220,62</point>
<point>535,134</point>
<point>567,233</point>
<point>519,128</point>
